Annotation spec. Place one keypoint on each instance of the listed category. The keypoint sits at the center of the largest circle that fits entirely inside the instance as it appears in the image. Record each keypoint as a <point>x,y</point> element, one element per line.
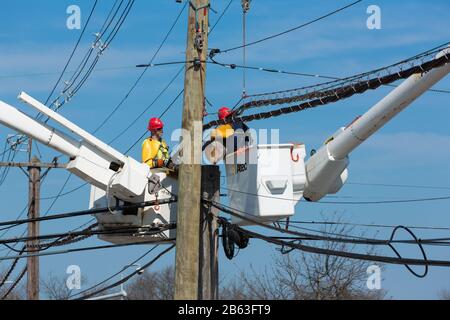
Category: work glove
<point>161,163</point>
<point>158,163</point>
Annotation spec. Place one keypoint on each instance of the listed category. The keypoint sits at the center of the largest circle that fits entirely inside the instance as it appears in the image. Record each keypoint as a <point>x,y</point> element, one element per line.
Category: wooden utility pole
<point>208,288</point>
<point>34,174</point>
<point>34,186</point>
<point>189,195</point>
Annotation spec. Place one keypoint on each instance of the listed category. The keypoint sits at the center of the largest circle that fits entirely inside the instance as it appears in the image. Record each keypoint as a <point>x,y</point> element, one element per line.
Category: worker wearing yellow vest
<point>225,131</point>
<point>155,151</point>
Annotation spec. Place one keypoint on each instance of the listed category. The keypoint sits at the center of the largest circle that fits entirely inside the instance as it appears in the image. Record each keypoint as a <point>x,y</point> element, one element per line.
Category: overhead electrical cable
<point>292,29</point>
<point>15,283</point>
<point>115,274</point>
<point>144,71</point>
<point>82,249</point>
<point>125,279</point>
<point>73,52</point>
<point>89,212</point>
<point>336,94</point>
<point>347,202</point>
<point>345,254</point>
<point>343,238</point>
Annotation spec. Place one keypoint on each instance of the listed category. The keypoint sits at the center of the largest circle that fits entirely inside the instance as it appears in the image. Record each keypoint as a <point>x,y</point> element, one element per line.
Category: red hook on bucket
<point>292,155</point>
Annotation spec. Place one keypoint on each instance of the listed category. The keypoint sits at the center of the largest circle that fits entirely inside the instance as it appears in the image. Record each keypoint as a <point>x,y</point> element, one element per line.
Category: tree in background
<point>304,276</point>
<point>18,293</point>
<point>153,285</point>
<point>291,276</point>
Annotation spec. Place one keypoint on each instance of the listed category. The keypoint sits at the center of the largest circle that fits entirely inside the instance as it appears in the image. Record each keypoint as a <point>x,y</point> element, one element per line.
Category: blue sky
<point>413,149</point>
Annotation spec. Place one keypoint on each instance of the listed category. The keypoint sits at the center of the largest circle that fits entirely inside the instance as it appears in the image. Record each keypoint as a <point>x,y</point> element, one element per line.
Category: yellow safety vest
<point>223,131</point>
<point>154,150</point>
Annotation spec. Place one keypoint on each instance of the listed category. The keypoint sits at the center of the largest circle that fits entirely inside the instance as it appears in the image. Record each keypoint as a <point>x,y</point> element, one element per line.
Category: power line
<point>366,225</point>
<point>125,279</point>
<point>28,75</point>
<point>13,265</point>
<point>56,102</point>
<point>83,63</point>
<point>73,51</point>
<point>58,195</point>
<point>93,248</point>
<point>221,16</point>
<point>169,84</point>
<point>339,81</point>
<point>130,90</point>
<point>121,20</point>
<point>24,210</point>
<point>110,18</point>
<point>89,212</point>
<point>115,274</point>
<point>148,107</point>
<point>334,95</point>
<point>66,193</point>
<point>16,282</point>
<point>69,60</point>
<point>106,25</point>
<point>97,44</point>
<point>233,66</point>
<point>350,255</point>
<point>343,239</point>
<point>161,116</point>
<point>317,250</point>
<point>292,29</point>
<point>386,201</point>
<point>144,71</point>
<point>347,202</point>
<point>72,236</point>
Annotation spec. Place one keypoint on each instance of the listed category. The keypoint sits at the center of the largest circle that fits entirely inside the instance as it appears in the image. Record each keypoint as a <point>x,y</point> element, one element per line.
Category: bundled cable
<point>333,95</point>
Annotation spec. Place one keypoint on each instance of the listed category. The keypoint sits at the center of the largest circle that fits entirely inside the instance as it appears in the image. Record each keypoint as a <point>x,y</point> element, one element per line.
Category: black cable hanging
<point>419,244</point>
<point>294,28</point>
<point>14,285</point>
<point>125,279</point>
<point>344,254</point>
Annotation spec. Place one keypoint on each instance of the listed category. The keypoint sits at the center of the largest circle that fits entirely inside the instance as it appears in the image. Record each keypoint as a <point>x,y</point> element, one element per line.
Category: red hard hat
<point>224,112</point>
<point>155,124</point>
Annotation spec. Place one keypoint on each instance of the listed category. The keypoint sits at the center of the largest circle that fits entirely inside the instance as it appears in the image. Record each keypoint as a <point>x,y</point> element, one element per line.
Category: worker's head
<point>224,112</point>
<point>156,126</point>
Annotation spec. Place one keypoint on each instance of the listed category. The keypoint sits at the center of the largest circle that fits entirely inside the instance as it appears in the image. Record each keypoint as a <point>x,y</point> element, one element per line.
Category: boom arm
<point>326,171</point>
<point>91,159</point>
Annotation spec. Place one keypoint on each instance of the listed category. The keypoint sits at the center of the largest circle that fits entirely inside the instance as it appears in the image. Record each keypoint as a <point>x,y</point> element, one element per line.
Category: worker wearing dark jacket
<point>223,132</point>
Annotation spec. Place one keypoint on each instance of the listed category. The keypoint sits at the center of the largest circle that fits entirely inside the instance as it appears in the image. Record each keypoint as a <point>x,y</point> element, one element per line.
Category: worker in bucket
<point>155,151</point>
<point>233,136</point>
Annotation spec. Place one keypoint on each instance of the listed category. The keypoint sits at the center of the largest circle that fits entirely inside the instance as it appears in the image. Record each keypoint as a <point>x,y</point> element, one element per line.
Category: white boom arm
<point>91,159</point>
<point>326,171</point>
